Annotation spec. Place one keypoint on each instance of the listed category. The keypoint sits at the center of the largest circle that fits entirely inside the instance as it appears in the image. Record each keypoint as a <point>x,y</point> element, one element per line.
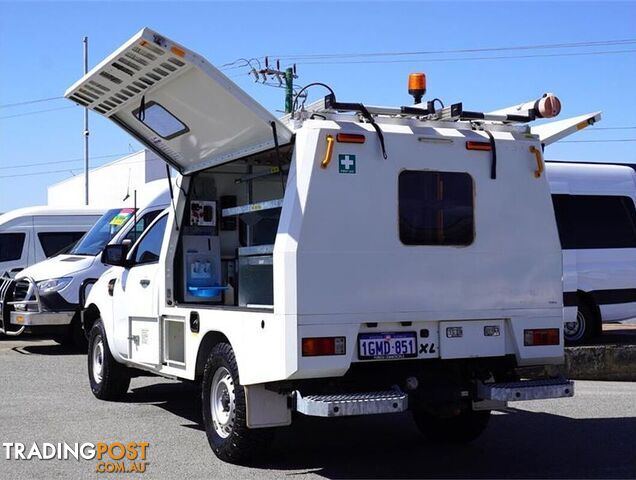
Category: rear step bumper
<point>396,401</point>
<point>349,404</point>
<point>526,390</point>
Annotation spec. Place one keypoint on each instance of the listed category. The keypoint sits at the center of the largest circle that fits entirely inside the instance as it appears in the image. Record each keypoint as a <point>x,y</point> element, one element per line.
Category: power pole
<point>289,89</point>
<point>86,131</point>
<point>287,76</point>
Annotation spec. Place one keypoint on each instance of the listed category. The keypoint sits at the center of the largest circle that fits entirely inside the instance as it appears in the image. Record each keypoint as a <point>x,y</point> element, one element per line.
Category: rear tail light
<point>350,138</point>
<point>541,336</point>
<point>320,346</point>
<point>484,146</point>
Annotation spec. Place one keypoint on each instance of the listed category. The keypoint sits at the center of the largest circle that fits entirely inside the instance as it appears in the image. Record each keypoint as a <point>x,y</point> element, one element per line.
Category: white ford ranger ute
<point>344,260</point>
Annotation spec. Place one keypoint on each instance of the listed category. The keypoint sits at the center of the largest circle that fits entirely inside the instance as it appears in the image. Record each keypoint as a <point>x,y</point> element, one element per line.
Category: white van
<point>45,298</point>
<point>29,235</point>
<point>596,217</point>
<point>348,259</point>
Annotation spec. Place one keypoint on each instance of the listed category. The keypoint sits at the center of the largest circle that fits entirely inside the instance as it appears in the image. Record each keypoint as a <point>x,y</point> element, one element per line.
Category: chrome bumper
<point>30,319</point>
<point>20,306</point>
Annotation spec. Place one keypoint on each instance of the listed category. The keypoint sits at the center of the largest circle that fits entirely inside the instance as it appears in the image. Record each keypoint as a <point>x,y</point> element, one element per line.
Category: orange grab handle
<point>327,160</point>
<point>539,158</point>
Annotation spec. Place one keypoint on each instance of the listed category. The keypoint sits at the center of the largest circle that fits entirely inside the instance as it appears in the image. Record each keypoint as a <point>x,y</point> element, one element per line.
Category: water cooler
<point>202,268</point>
<point>202,275</point>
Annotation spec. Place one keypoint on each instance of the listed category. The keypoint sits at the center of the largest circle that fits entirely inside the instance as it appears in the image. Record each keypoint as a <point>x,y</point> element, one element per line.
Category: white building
<point>109,184</point>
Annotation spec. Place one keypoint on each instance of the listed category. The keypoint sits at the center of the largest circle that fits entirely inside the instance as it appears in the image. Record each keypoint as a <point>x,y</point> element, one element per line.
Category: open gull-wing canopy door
<point>551,132</point>
<point>177,104</point>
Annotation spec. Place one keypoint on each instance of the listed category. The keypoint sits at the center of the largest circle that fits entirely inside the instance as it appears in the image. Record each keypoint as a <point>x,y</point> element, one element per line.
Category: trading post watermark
<point>113,457</point>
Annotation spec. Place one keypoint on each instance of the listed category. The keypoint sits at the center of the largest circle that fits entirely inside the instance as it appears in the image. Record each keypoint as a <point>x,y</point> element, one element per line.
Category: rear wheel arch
<point>209,341</point>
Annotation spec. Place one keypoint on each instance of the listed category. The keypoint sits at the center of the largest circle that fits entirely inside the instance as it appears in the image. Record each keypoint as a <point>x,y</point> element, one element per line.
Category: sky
<point>41,56</point>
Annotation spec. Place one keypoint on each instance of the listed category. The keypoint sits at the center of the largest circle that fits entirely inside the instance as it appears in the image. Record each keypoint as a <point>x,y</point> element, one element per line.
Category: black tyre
<point>65,339</point>
<point>462,428</point>
<point>225,412</point>
<point>73,337</point>
<point>581,330</point>
<point>80,342</point>
<point>109,379</point>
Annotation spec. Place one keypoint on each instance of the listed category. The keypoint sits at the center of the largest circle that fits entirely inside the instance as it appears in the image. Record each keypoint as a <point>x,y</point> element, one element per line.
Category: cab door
<point>139,296</point>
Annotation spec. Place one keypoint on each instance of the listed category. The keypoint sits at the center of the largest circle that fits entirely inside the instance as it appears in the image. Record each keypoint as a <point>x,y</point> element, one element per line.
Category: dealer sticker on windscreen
<point>385,346</point>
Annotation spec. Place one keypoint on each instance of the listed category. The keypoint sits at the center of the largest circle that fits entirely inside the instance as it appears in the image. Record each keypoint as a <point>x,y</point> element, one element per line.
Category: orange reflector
<point>541,336</point>
<point>320,346</point>
<point>179,52</point>
<point>582,125</point>
<point>417,82</point>
<point>350,138</point>
<point>485,146</point>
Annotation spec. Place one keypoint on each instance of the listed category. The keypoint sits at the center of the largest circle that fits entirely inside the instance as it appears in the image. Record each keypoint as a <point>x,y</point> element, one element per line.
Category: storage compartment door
<point>144,340</point>
<point>174,341</point>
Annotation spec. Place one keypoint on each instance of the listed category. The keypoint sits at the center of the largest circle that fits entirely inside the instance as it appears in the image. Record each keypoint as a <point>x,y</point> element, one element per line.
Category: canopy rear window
<point>436,208</point>
<point>160,121</point>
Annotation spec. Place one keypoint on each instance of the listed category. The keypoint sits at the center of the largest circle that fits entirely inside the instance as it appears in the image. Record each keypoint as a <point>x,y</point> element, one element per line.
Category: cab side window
<point>149,247</point>
<point>11,246</point>
<point>141,225</point>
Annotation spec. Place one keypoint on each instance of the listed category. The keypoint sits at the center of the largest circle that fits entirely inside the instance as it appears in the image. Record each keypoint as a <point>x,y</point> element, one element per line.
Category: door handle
<point>144,282</point>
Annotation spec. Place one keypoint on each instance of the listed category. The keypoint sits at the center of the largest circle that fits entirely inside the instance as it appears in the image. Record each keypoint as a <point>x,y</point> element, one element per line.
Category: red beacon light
<point>417,86</point>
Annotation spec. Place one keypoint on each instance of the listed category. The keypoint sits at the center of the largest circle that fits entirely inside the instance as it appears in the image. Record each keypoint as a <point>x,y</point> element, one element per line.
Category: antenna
<point>128,188</point>
<point>86,131</point>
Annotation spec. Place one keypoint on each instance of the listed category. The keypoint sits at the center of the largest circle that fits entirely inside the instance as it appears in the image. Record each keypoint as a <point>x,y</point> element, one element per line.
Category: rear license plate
<point>377,346</point>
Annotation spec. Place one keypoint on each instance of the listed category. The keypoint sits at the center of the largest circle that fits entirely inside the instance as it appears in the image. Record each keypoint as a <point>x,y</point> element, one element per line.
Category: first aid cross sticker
<point>347,163</point>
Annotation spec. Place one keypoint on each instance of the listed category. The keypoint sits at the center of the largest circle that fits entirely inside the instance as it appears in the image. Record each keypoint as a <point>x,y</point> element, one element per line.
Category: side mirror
<point>115,255</point>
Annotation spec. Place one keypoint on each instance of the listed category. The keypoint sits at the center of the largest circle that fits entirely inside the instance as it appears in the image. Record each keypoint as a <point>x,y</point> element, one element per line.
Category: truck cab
<point>45,298</point>
<point>344,260</point>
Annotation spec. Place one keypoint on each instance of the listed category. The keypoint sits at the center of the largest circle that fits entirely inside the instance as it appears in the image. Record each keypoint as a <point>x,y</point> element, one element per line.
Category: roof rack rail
<point>545,107</point>
<point>456,112</point>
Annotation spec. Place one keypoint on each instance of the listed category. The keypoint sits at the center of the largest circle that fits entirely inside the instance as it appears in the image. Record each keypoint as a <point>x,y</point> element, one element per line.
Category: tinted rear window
<point>54,242</point>
<point>11,245</point>
<point>436,208</point>
<point>595,221</point>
